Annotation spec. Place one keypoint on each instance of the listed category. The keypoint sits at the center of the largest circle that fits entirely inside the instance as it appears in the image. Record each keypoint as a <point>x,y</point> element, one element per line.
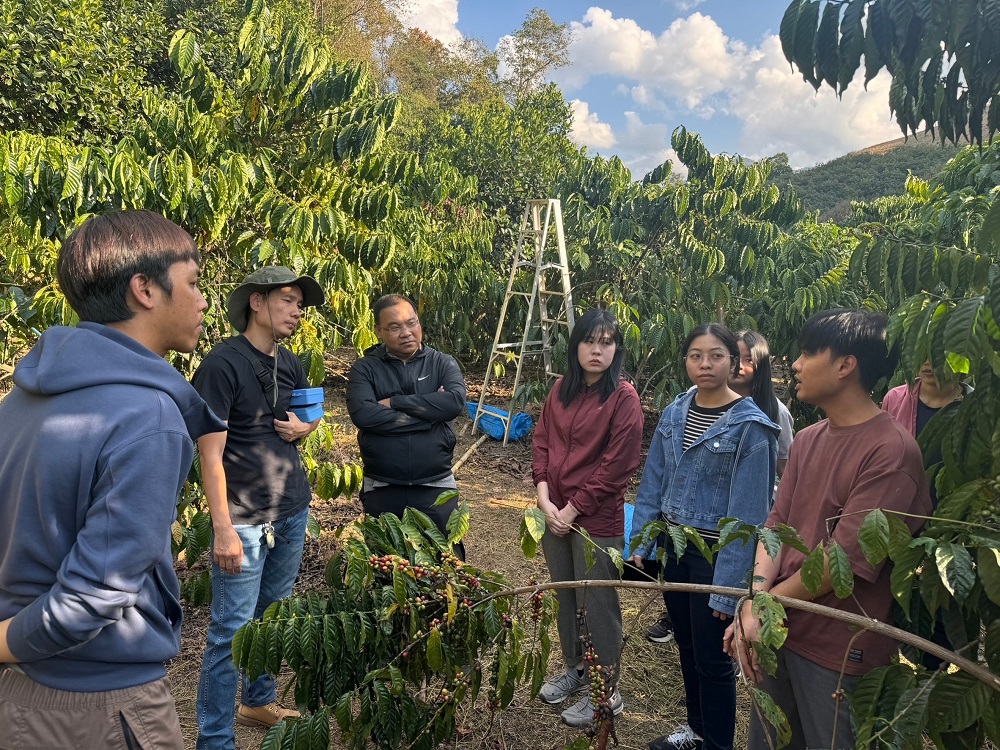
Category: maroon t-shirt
<point>834,478</point>
<point>588,452</point>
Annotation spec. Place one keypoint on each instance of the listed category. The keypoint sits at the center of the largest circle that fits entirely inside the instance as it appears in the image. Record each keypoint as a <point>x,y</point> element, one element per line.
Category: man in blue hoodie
<point>96,440</point>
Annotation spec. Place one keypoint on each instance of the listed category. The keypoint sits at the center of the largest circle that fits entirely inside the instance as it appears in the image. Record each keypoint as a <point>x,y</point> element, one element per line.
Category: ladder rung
<point>548,293</point>
<point>502,418</point>
<point>518,343</point>
<point>547,266</point>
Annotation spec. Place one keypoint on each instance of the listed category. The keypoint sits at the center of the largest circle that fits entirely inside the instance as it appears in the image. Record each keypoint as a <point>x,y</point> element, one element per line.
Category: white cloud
<point>693,71</point>
<point>685,5</point>
<point>692,60</point>
<point>439,18</point>
<point>646,97</point>
<point>588,130</point>
<point>781,112</point>
<point>647,146</point>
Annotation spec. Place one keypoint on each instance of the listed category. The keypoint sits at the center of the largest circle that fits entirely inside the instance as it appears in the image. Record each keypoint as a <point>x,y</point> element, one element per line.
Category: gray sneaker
<point>563,685</point>
<point>581,713</point>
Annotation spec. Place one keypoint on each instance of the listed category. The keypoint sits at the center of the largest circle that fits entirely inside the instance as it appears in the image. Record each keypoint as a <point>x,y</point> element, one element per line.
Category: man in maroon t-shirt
<point>838,471</point>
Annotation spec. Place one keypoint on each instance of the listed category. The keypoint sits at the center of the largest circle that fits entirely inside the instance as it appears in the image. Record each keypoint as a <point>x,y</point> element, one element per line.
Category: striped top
<point>700,418</point>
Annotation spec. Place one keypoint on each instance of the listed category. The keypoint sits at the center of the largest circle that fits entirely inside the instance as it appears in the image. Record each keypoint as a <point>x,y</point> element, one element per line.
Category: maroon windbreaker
<point>588,452</point>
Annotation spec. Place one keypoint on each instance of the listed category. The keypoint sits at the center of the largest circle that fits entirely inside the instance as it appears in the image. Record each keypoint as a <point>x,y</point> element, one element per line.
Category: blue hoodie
<point>96,440</point>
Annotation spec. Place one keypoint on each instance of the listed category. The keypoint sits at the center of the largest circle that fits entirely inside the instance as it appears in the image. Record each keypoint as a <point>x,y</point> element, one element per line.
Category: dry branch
<point>865,623</point>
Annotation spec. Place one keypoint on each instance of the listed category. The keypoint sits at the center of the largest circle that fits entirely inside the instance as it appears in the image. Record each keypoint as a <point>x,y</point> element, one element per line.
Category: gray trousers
<point>803,691</point>
<point>566,559</point>
<point>136,718</point>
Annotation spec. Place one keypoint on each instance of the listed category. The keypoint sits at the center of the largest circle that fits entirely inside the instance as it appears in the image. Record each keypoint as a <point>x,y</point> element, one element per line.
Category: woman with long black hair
<point>754,380</point>
<point>586,448</point>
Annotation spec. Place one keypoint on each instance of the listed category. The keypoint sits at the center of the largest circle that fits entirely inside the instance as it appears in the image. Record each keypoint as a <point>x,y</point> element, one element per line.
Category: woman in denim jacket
<point>713,456</point>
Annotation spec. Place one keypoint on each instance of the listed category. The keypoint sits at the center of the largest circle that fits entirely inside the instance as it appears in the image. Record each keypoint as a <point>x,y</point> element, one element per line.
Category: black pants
<point>709,675</point>
<point>395,498</point>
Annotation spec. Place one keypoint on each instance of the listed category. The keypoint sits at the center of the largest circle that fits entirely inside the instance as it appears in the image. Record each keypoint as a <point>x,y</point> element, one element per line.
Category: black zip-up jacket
<point>411,441</point>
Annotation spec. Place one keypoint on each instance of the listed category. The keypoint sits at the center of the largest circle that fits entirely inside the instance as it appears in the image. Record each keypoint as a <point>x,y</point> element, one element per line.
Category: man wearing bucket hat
<point>257,491</point>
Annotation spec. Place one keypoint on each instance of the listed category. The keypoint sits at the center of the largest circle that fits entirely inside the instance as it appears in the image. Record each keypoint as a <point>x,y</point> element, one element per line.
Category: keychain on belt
<point>268,531</point>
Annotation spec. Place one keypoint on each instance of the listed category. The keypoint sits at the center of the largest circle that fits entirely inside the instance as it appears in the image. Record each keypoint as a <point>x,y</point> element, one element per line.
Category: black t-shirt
<point>924,415</point>
<point>265,478</point>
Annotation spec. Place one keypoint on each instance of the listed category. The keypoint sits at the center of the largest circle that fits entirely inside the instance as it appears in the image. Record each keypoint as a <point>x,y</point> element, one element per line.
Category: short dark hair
<point>852,332</point>
<point>762,389</point>
<point>99,258</point>
<point>723,334</point>
<point>391,300</point>
<point>593,322</point>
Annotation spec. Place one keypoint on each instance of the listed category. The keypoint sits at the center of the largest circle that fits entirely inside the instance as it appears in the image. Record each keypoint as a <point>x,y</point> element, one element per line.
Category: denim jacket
<point>728,471</point>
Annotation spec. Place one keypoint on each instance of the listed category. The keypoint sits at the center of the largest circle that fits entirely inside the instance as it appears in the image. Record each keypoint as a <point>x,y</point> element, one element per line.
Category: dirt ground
<point>496,482</point>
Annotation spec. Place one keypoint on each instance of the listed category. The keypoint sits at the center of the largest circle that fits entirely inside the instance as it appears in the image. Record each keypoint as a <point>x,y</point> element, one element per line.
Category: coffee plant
<point>271,146</point>
<point>403,634</point>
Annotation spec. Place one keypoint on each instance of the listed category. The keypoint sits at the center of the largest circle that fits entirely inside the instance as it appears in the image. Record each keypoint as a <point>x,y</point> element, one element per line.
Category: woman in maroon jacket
<point>586,447</point>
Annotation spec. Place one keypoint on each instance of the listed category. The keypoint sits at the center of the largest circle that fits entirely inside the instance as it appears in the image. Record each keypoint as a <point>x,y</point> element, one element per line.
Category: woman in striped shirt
<point>713,456</point>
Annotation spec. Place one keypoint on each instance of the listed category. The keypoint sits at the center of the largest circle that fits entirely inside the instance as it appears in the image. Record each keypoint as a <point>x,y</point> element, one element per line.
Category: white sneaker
<point>562,686</point>
<point>682,738</point>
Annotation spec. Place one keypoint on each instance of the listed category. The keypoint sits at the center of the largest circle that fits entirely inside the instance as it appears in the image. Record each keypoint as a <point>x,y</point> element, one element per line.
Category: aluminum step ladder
<point>549,301</point>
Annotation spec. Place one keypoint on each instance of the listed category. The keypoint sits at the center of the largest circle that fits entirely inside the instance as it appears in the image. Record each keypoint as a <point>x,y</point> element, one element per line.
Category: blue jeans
<point>266,576</point>
<point>709,674</point>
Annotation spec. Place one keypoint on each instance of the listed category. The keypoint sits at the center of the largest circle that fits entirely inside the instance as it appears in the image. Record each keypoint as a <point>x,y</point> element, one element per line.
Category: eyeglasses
<point>397,328</point>
<point>715,358</point>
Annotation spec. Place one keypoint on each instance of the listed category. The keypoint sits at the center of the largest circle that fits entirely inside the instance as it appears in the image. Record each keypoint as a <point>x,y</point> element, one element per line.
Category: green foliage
<point>404,634</point>
<point>941,56</point>
<point>834,187</point>
<point>271,146</point>
<point>75,68</point>
<point>531,52</point>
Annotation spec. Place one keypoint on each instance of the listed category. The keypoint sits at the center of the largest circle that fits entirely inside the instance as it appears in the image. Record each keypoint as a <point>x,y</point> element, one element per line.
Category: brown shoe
<point>263,716</point>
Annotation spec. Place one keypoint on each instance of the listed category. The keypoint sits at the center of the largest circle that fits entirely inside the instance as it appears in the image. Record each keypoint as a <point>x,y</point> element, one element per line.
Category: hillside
<point>864,175</point>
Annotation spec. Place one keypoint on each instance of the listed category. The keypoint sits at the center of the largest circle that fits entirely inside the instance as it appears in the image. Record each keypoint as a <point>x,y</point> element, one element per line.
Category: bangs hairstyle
<point>390,300</point>
<point>593,324</point>
<point>99,258</point>
<point>852,332</point>
<point>723,334</point>
<point>762,388</point>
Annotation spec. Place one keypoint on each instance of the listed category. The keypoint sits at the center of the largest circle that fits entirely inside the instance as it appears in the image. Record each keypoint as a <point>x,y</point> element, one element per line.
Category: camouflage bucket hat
<point>265,279</point>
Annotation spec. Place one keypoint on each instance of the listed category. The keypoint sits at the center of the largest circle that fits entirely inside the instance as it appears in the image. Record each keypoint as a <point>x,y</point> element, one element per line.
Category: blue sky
<point>640,68</point>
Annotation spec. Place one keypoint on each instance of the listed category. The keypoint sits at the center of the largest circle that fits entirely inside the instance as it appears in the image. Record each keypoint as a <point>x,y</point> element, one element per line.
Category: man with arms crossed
<point>857,459</point>
<point>96,440</point>
<point>402,396</point>
<point>256,487</point>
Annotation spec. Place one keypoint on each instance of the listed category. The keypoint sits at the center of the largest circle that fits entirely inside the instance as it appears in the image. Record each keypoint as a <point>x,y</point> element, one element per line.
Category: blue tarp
<point>629,512</point>
<point>493,426</point>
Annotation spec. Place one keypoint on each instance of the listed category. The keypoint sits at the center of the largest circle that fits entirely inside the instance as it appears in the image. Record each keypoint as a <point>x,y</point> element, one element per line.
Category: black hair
<point>594,322</point>
<point>723,334</point>
<point>391,300</point>
<point>762,388</point>
<point>852,332</point>
<point>99,258</point>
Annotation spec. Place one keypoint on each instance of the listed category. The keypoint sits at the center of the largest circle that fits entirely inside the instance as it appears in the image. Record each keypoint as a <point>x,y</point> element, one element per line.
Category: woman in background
<point>754,380</point>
